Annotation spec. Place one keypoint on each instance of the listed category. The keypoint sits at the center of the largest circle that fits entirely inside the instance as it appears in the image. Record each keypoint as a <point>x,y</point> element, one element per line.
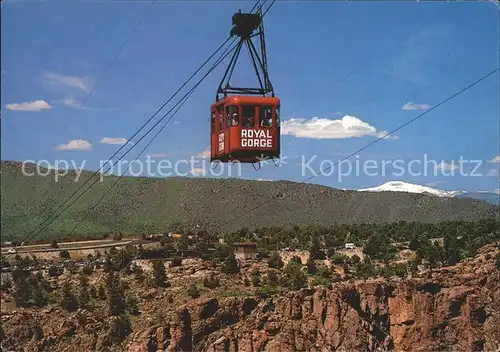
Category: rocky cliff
<point>453,309</point>
<point>449,309</point>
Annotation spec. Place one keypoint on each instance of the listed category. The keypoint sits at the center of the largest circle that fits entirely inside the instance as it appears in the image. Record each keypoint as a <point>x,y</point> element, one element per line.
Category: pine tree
<point>230,265</point>
<point>132,304</point>
<point>311,266</point>
<point>315,251</point>
<point>159,275</point>
<point>116,296</point>
<point>294,277</point>
<point>193,291</point>
<point>101,292</point>
<point>22,293</point>
<point>275,261</point>
<point>68,300</point>
<point>84,294</point>
<point>255,277</point>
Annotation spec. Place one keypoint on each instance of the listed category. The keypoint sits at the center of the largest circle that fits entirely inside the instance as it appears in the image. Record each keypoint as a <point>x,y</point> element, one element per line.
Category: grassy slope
<point>139,205</point>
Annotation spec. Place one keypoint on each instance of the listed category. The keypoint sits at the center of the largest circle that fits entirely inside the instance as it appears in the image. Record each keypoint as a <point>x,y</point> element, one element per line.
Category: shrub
<point>193,291</point>
<point>324,272</point>
<point>355,259</point>
<point>230,265</point>
<point>159,275</point>
<point>294,278</point>
<point>120,328</point>
<point>53,271</point>
<point>68,300</point>
<point>175,262</point>
<point>64,254</point>
<point>211,281</point>
<point>339,259</point>
<point>87,270</point>
<point>414,244</point>
<point>275,261</point>
<point>311,266</point>
<point>117,236</point>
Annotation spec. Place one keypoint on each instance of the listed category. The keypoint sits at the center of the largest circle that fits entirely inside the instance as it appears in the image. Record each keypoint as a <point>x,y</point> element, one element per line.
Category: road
<point>81,245</point>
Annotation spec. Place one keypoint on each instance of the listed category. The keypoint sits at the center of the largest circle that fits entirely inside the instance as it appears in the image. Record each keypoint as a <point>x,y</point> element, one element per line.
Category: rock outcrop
<point>451,309</point>
<point>454,309</point>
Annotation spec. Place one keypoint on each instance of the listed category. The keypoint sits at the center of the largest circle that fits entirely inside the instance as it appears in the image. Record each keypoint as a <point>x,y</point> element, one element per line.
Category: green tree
<point>193,291</point>
<point>380,247</point>
<point>22,293</point>
<point>176,261</point>
<point>211,281</point>
<point>315,250</point>
<point>101,292</point>
<point>230,265</point>
<point>115,295</point>
<point>355,259</point>
<point>255,277</point>
<point>414,244</point>
<point>294,278</point>
<point>87,270</point>
<point>117,236</point>
<point>68,300</point>
<point>53,271</point>
<point>84,294</point>
<point>339,259</point>
<point>311,266</point>
<point>132,304</point>
<point>222,251</point>
<point>275,261</point>
<point>453,248</point>
<point>159,275</point>
<point>64,254</point>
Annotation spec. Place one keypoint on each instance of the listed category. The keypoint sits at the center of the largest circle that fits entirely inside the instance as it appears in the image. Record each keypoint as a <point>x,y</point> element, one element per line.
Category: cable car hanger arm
<point>244,25</point>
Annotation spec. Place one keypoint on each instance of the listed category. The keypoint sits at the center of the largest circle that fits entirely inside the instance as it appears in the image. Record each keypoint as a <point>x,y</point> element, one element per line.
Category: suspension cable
<point>369,144</point>
<point>40,227</point>
<point>36,229</point>
<point>180,105</point>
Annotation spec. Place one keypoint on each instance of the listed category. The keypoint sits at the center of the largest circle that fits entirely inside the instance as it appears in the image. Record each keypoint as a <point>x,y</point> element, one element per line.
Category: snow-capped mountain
<point>400,186</point>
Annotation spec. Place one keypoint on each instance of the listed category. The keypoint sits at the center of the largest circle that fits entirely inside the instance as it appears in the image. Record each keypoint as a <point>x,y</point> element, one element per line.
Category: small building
<point>349,246</point>
<point>245,250</point>
<point>174,235</point>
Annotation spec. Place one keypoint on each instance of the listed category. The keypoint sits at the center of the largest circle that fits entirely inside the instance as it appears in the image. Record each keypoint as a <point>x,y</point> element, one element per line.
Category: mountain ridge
<point>402,186</point>
<point>141,205</point>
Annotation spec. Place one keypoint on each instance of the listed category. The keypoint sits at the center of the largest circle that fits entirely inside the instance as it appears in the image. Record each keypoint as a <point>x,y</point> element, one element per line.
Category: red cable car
<point>245,124</point>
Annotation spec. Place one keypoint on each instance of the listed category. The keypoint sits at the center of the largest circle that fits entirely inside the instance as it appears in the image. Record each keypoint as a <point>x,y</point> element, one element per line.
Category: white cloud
<point>75,104</point>
<point>323,128</point>
<point>412,106</point>
<point>495,160</point>
<point>114,140</point>
<point>443,167</point>
<point>56,80</point>
<point>205,154</point>
<point>36,105</point>
<point>157,155</point>
<point>197,171</point>
<point>75,144</point>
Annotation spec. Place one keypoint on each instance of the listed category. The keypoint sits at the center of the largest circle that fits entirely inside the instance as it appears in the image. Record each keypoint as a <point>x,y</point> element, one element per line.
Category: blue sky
<point>344,71</point>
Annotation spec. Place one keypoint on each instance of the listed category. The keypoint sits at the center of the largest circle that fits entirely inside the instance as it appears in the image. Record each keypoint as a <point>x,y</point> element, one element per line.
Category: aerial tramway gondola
<point>244,122</point>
